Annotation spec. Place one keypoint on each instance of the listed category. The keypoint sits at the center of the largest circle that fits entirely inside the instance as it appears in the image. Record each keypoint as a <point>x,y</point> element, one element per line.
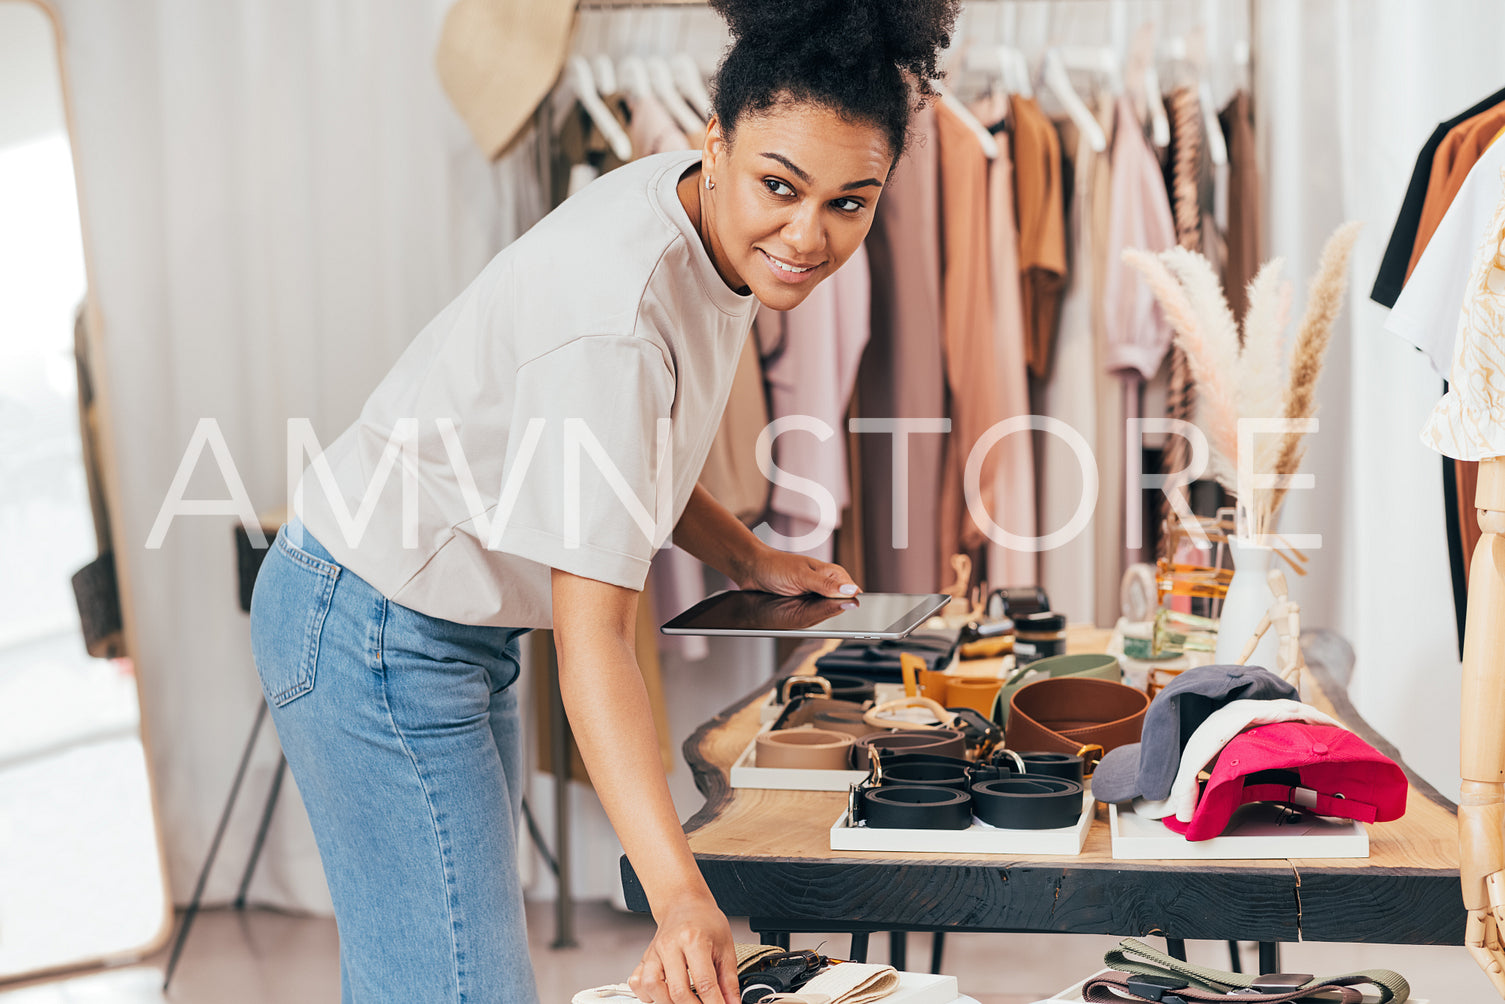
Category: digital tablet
<point>750,614</point>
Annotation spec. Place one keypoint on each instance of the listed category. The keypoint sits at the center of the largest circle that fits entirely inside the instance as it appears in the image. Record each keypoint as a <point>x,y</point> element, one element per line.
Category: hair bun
<point>906,33</point>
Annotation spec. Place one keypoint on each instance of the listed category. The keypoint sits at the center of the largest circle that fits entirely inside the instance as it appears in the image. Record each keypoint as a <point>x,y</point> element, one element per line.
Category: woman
<point>517,468</point>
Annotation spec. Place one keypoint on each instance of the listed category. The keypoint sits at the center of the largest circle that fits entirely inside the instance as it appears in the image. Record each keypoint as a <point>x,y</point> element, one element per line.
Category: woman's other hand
<point>691,959</point>
<point>786,574</point>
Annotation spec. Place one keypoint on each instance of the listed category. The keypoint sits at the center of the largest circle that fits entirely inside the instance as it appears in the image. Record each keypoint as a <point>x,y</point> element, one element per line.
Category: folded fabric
<point>852,983</point>
<point>1208,741</point>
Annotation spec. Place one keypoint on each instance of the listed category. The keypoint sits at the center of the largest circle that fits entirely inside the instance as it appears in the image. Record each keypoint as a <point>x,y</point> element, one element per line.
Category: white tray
<point>980,838</point>
<point>923,988</point>
<point>1255,834</point>
<point>1073,994</point>
<point>745,775</point>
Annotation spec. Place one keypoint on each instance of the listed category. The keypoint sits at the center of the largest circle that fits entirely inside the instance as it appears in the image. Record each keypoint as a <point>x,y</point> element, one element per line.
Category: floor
<point>263,957</point>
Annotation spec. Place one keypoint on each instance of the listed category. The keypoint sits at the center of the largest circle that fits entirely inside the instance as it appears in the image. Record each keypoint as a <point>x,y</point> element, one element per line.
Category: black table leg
<point>1235,964</point>
<point>1269,957</point>
<point>859,946</point>
<point>898,949</point>
<point>1176,948</point>
<point>937,950</point>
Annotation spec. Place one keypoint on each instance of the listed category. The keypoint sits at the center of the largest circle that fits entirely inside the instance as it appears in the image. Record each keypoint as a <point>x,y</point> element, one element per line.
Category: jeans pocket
<point>291,598</point>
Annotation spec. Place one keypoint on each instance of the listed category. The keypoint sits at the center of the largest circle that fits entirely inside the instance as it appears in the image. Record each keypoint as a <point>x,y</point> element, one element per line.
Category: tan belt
<point>1081,716</point>
<point>812,749</point>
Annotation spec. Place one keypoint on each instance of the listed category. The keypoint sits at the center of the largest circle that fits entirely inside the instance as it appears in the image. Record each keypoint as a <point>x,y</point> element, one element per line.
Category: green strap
<point>1136,957</point>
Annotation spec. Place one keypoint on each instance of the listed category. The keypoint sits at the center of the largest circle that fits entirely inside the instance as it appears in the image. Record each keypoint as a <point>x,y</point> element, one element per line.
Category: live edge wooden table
<point>766,856</point>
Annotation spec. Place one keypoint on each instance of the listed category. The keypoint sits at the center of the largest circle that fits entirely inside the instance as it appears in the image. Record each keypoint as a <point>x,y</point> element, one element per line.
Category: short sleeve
<point>1426,312</point>
<point>589,496</point>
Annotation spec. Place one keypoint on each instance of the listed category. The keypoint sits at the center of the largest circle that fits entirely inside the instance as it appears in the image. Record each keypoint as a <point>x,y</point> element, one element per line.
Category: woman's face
<point>794,196</point>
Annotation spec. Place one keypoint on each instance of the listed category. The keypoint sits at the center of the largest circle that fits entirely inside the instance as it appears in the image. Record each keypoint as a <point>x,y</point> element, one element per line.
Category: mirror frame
<point>110,485</point>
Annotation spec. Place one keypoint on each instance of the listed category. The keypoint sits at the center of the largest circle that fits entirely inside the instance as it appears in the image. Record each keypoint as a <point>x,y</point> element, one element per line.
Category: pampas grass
<point>1243,377</point>
<point>1312,338</point>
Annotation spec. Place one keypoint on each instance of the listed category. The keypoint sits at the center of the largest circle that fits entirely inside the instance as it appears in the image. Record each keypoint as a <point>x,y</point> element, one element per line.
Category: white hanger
<point>1217,148</point>
<point>1056,78</point>
<point>1099,59</point>
<point>584,82</point>
<point>691,84</point>
<point>662,80</point>
<point>1160,124</point>
<point>606,73</point>
<point>1217,145</point>
<point>1021,72</point>
<point>634,77</point>
<point>985,139</point>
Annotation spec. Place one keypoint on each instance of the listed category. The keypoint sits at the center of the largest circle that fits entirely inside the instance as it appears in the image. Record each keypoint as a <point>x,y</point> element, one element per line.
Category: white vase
<point>1249,598</point>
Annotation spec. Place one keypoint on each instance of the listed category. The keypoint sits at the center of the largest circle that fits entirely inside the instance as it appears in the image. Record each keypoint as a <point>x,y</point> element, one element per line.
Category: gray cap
<point>1146,769</point>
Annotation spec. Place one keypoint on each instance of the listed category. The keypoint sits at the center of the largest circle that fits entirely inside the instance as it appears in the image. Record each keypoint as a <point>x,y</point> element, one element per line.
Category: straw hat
<point>498,59</point>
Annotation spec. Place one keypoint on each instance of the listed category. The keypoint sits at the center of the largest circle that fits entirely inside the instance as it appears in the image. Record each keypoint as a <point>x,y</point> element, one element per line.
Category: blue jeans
<point>401,731</point>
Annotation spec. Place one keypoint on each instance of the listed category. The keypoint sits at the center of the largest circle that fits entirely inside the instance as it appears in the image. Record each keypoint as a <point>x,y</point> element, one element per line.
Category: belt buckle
<point>1157,988</point>
<point>1089,764</point>
<point>1276,983</point>
<point>874,779</point>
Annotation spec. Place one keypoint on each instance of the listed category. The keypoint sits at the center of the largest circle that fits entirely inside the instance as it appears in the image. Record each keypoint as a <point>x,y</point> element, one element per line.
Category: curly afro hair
<point>852,56</point>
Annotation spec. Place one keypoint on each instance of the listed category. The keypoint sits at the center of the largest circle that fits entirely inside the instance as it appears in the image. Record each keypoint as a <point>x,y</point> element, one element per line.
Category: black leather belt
<point>1028,802</point>
<point>891,796</point>
<point>916,807</point>
<point>1062,765</point>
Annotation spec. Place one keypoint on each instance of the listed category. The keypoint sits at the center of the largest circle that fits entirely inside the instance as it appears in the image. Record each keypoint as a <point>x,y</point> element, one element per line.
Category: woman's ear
<point>713,153</point>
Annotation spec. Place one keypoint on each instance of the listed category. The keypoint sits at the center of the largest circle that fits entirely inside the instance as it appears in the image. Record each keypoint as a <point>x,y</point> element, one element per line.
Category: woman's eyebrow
<point>795,170</point>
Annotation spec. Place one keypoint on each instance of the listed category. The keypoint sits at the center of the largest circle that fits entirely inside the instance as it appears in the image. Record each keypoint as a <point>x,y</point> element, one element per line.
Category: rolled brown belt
<point>944,742</point>
<point>809,749</point>
<point>1077,715</point>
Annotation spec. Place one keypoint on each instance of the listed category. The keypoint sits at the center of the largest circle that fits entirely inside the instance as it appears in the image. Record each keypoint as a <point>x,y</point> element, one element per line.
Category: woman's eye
<point>777,187</point>
<point>847,205</point>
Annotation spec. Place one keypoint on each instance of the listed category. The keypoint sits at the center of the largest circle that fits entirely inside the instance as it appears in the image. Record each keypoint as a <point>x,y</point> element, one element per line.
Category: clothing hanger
<point>661,78</point>
<point>1178,49</point>
<point>583,79</point>
<point>1139,64</point>
<point>606,73</point>
<point>1099,59</point>
<point>1057,80</point>
<point>634,77</point>
<point>1020,71</point>
<point>691,84</point>
<point>984,138</point>
<point>1160,123</point>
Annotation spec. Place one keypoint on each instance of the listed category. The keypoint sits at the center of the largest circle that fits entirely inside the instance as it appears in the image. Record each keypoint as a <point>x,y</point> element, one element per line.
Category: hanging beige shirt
<point>604,325</point>
<point>1469,422</point>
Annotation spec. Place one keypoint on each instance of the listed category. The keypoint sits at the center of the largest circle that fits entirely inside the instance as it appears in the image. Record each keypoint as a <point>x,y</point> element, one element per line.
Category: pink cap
<point>1326,770</point>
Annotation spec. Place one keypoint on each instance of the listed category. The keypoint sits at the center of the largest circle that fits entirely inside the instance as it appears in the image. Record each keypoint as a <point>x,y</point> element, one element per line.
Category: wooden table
<point>766,856</point>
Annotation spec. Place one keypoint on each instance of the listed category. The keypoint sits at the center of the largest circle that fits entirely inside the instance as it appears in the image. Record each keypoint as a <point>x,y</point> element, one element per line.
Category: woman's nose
<point>804,233</point>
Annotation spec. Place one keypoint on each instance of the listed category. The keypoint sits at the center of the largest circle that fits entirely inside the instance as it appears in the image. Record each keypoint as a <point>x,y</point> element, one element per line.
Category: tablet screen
<point>745,612</point>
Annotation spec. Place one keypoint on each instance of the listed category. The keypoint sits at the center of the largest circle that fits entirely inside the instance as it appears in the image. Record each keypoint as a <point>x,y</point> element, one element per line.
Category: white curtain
<point>276,196</point>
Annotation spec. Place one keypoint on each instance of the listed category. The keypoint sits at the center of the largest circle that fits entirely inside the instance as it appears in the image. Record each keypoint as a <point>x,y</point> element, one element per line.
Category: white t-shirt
<point>1426,313</point>
<point>597,332</point>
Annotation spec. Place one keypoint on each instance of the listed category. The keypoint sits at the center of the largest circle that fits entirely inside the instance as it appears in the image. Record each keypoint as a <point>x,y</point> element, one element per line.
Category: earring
<point>709,184</point>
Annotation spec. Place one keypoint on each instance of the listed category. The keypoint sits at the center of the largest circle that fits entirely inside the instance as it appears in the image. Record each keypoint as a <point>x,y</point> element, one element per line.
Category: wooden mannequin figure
<point>1284,616</point>
<point>1481,807</point>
